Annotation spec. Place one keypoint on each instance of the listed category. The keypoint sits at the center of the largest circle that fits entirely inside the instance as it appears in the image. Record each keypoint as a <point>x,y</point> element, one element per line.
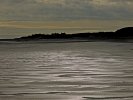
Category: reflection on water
<point>66,71</point>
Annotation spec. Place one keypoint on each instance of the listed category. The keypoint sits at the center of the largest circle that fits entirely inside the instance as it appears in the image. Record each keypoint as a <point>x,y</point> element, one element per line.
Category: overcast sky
<point>55,14</point>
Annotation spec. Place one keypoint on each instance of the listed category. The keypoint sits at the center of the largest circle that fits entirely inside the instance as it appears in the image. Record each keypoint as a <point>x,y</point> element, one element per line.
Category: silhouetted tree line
<point>124,33</point>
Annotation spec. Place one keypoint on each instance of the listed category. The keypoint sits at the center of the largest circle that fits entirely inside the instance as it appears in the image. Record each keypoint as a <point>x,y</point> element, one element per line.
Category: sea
<point>66,71</point>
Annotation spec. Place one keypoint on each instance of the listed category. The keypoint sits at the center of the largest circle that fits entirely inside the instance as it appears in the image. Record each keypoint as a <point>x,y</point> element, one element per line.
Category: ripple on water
<point>71,71</point>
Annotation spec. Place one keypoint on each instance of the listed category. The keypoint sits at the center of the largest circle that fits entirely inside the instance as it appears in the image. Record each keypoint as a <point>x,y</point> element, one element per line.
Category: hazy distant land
<point>124,34</point>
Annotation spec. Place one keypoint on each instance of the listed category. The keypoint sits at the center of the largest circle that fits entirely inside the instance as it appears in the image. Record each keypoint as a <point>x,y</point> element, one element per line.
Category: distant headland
<point>122,34</point>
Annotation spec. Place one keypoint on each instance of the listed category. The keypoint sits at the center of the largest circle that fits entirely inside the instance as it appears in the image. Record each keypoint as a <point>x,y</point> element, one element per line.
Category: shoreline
<point>65,40</point>
<point>124,35</point>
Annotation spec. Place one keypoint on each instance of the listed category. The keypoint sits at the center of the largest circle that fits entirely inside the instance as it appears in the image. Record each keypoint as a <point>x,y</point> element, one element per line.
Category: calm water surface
<point>66,71</point>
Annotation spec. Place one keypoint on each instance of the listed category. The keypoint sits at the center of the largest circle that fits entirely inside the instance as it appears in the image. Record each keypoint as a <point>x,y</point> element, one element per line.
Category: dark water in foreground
<point>66,71</point>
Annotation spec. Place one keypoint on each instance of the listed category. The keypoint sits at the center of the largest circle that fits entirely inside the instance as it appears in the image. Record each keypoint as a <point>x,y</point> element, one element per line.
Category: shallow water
<point>66,71</point>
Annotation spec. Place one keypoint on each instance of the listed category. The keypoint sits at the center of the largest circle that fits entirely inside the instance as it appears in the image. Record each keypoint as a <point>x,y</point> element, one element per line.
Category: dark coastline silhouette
<point>120,35</point>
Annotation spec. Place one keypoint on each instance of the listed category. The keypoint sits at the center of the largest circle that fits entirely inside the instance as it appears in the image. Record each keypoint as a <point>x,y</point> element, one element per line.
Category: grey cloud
<point>65,9</point>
